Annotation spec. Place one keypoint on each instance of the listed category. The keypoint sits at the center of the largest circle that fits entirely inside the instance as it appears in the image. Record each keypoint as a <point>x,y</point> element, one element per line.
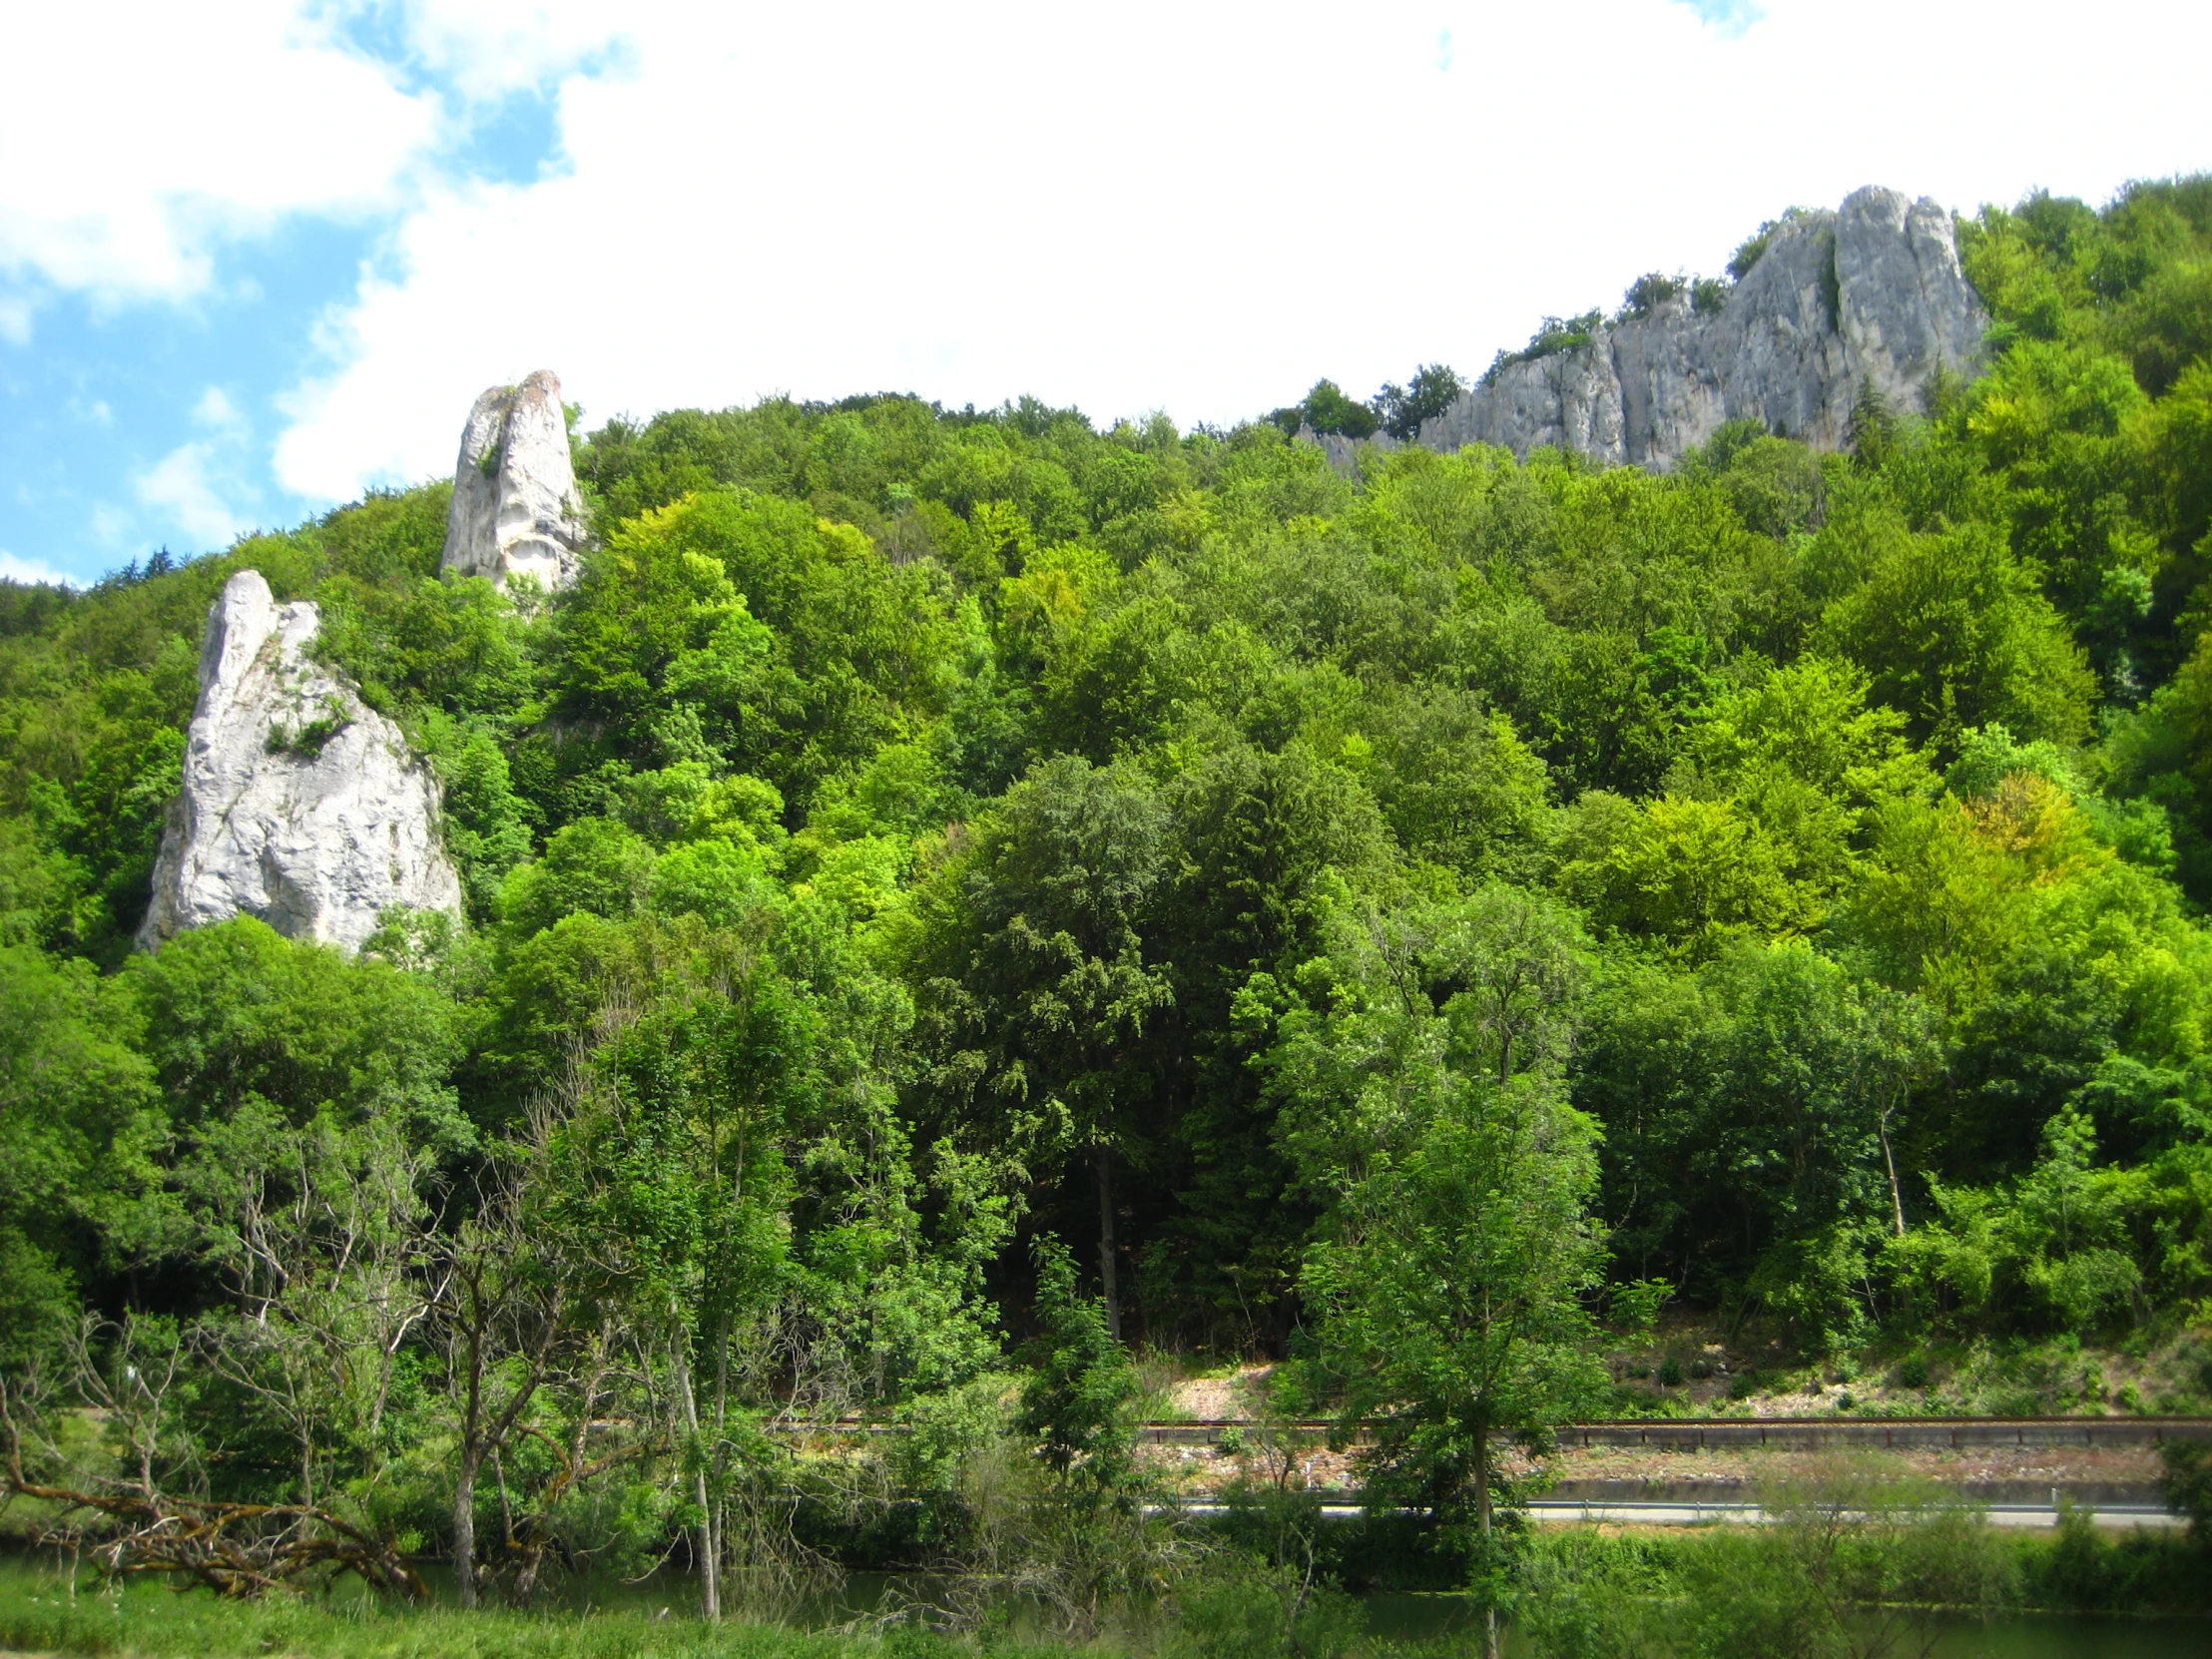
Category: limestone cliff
<point>1871,292</point>
<point>516,509</point>
<point>300,805</point>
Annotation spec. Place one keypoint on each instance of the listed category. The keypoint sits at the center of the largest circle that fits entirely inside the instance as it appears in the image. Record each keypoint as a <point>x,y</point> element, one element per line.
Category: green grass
<point>38,1615</point>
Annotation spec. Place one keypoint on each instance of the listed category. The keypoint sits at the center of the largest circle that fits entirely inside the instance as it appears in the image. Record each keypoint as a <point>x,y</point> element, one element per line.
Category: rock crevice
<point>300,805</point>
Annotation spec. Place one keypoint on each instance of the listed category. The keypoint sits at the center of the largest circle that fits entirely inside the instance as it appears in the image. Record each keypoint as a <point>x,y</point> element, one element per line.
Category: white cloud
<point>111,526</point>
<point>216,411</point>
<point>1190,208</point>
<point>13,569</point>
<point>134,138</point>
<point>484,49</point>
<point>197,486</point>
<point>1729,17</point>
<point>182,487</point>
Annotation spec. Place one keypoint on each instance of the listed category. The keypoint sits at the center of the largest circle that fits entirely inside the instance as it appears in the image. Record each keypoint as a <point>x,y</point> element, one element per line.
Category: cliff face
<point>516,509</point>
<point>1872,290</point>
<point>300,805</point>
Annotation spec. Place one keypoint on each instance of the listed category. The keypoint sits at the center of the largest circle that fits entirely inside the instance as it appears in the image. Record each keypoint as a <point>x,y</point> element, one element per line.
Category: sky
<point>258,259</point>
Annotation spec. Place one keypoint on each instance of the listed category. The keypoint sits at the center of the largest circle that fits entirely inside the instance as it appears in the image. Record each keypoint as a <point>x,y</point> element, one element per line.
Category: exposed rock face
<point>301,806</point>
<point>1343,451</point>
<point>1871,292</point>
<point>516,511</point>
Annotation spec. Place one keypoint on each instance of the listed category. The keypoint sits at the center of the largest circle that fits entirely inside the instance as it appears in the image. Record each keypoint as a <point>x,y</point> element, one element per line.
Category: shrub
<point>1647,294</point>
<point>1753,247</point>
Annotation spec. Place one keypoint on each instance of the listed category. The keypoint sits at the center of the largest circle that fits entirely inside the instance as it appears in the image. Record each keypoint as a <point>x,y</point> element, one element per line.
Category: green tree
<point>744,626</point>
<point>1691,874</point>
<point>1955,634</point>
<point>1261,843</point>
<point>79,1127</point>
<point>1078,1406</point>
<point>594,864</point>
<point>1804,753</point>
<point>1035,992</point>
<point>1433,389</point>
<point>1751,1108</point>
<point>1450,1285</point>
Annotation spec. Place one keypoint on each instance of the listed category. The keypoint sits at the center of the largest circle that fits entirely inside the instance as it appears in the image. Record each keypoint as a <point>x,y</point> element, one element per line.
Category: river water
<point>1425,1619</point>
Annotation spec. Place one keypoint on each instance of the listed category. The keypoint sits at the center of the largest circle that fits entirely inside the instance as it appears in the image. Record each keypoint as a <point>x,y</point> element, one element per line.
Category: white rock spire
<point>516,509</point>
<point>300,805</point>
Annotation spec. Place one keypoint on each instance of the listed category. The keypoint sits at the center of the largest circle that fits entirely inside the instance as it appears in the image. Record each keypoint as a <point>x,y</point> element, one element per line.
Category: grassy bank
<point>1659,1591</point>
<point>39,1615</point>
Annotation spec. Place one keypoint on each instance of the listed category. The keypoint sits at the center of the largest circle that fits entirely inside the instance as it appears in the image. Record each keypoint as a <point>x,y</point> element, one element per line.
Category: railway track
<point>1701,1433</point>
<point>1786,1433</point>
<point>1666,1502</point>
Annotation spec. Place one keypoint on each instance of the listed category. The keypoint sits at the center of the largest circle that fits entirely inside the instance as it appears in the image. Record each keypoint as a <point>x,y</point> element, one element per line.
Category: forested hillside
<point>923,837</point>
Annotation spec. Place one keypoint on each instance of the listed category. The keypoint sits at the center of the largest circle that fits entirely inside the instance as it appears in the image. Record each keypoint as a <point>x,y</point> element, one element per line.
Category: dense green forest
<point>956,897</point>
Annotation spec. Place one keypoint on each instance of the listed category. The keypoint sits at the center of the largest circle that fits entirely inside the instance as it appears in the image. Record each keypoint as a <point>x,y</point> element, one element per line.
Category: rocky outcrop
<point>516,511</point>
<point>300,805</point>
<point>1870,292</point>
<point>1343,451</point>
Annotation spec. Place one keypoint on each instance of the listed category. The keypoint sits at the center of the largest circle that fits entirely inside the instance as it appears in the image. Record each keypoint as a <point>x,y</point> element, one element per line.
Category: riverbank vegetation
<point>1809,1587</point>
<point>954,897</point>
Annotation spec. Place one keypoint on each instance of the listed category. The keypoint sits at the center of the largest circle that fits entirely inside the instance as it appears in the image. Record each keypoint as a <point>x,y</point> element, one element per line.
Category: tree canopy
<point>939,864</point>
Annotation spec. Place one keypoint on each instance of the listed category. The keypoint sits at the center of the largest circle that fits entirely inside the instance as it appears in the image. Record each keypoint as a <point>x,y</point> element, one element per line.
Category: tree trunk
<point>464,1530</point>
<point>708,1546</point>
<point>1896,1192</point>
<point>1108,1285</point>
<point>710,1554</point>
<point>1482,1518</point>
<point>718,1511</point>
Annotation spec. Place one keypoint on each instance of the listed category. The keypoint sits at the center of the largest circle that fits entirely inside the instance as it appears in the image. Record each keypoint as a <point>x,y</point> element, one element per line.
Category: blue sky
<point>101,396</point>
<point>140,421</point>
<point>248,269</point>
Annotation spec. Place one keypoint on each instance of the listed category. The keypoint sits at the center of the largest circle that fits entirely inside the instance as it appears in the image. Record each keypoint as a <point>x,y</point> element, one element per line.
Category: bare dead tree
<point>593,1446</point>
<point>332,1271</point>
<point>503,1317</point>
<point>523,1307</point>
<point>120,1500</point>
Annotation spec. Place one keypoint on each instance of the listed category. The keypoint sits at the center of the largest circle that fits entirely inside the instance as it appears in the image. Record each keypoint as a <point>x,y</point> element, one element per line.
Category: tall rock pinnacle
<point>300,805</point>
<point>516,511</point>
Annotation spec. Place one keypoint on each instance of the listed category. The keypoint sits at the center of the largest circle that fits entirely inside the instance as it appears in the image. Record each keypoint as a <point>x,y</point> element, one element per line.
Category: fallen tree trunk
<point>234,1549</point>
